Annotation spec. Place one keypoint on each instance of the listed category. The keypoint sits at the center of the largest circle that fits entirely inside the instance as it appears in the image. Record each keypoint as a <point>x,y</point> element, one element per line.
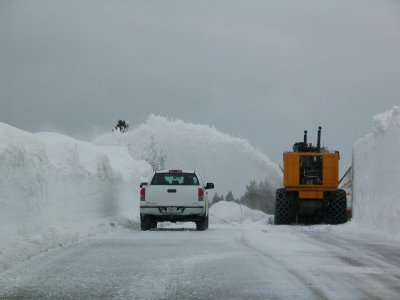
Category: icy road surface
<point>225,262</point>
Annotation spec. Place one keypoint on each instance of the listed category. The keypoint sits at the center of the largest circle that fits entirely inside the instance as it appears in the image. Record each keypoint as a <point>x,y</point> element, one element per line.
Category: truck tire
<point>145,222</point>
<point>153,223</point>
<point>337,209</point>
<point>202,225</point>
<point>284,208</point>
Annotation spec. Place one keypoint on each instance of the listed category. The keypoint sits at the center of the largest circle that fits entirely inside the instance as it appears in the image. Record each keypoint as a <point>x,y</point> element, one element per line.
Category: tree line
<point>259,196</point>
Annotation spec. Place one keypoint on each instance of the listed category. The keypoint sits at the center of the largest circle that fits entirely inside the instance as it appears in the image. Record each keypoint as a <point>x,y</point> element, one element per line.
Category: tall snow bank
<point>50,182</point>
<point>224,212</point>
<point>376,188</point>
<point>229,162</point>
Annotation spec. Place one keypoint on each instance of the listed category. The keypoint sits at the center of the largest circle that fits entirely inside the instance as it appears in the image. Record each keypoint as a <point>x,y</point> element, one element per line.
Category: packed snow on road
<point>70,224</point>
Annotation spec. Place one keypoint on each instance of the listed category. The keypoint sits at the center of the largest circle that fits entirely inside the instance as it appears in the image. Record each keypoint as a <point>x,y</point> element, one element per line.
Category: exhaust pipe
<point>319,139</point>
<point>305,137</point>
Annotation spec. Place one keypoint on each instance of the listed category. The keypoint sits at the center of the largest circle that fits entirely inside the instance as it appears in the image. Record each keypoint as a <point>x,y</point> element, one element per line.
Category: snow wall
<point>376,183</point>
<point>230,162</point>
<point>56,189</point>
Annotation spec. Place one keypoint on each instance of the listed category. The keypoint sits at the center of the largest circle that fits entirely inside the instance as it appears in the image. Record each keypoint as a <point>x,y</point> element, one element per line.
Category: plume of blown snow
<point>229,162</point>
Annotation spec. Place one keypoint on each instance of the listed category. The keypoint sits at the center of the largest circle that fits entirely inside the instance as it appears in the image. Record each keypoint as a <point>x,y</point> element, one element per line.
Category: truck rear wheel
<point>202,225</point>
<point>284,208</point>
<point>337,209</point>
<point>153,223</point>
<point>145,222</point>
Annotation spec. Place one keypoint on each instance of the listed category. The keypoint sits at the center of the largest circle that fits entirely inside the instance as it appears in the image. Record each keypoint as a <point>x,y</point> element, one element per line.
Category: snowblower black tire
<point>337,209</point>
<point>284,208</point>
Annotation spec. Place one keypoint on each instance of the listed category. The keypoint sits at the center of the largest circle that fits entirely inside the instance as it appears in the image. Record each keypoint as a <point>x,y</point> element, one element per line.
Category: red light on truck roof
<point>175,171</point>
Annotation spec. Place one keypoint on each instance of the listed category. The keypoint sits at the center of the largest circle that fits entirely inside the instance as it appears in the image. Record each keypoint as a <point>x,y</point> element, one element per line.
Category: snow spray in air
<point>230,162</point>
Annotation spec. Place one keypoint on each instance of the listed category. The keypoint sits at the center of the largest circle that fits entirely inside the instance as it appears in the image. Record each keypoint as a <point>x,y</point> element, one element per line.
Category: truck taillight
<point>202,194</point>
<point>142,194</point>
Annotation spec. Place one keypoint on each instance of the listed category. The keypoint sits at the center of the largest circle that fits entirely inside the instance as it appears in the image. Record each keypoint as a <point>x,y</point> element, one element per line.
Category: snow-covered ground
<point>224,212</point>
<point>228,261</point>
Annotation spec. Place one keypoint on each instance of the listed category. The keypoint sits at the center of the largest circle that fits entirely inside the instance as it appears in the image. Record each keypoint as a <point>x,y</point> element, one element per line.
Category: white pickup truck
<point>174,195</point>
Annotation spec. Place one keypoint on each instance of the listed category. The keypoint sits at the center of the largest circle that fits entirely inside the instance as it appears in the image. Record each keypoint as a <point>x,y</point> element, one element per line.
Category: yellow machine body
<point>292,174</point>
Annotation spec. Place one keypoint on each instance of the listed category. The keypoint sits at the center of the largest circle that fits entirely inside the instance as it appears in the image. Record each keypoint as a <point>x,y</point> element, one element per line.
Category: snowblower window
<point>175,179</point>
<point>311,169</point>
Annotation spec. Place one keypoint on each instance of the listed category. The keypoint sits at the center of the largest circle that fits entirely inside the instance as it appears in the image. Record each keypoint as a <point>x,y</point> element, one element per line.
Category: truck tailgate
<point>172,195</point>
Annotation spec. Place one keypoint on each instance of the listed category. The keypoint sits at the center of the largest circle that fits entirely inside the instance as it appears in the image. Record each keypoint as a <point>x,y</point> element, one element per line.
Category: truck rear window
<point>174,179</point>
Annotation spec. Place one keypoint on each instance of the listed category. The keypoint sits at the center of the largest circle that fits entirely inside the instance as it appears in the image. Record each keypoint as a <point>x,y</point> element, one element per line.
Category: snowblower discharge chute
<point>310,194</point>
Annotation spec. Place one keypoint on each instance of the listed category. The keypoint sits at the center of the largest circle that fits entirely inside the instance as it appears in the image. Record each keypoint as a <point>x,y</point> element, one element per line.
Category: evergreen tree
<point>229,197</point>
<point>260,196</point>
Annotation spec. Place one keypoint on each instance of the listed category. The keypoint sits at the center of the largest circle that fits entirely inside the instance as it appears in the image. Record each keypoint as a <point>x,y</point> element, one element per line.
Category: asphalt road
<point>224,262</point>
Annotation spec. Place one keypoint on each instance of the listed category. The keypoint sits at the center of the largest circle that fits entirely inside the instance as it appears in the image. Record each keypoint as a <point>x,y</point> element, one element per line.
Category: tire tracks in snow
<point>276,266</point>
<point>379,262</point>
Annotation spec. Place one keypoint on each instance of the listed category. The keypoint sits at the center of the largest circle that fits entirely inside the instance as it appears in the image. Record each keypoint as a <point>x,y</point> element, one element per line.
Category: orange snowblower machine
<point>310,194</point>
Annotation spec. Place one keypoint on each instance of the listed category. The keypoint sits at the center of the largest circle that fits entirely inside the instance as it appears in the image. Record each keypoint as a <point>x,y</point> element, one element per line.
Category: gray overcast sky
<point>260,69</point>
